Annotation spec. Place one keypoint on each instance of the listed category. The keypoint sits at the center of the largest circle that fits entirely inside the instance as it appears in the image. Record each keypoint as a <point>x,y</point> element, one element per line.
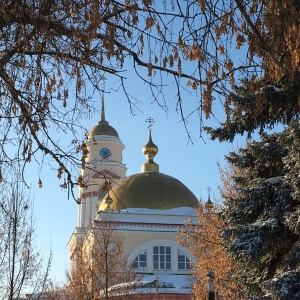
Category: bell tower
<point>103,164</point>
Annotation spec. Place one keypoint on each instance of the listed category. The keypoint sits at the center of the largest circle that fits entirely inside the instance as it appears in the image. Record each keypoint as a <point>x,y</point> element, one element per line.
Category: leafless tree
<point>21,267</point>
<point>100,269</point>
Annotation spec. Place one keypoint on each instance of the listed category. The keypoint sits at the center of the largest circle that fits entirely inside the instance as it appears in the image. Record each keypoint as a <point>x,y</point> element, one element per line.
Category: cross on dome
<point>151,122</point>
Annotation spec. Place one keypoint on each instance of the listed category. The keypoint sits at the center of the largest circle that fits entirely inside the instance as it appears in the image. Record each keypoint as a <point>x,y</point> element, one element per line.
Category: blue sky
<point>194,164</point>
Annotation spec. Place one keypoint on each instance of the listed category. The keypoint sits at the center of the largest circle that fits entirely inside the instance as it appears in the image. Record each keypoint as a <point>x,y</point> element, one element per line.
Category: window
<point>183,262</point>
<point>140,261</point>
<point>162,258</point>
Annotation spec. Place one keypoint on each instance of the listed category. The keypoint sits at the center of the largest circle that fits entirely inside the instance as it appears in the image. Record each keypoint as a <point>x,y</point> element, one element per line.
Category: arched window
<point>183,262</point>
<point>160,255</point>
<point>162,258</point>
<point>140,261</point>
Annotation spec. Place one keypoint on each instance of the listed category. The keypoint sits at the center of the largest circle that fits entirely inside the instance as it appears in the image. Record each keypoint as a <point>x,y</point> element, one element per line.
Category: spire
<point>150,150</point>
<point>103,127</point>
<point>102,120</point>
<point>102,109</point>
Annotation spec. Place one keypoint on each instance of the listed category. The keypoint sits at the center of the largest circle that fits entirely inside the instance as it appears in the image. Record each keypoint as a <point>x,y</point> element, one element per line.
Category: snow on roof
<point>155,283</point>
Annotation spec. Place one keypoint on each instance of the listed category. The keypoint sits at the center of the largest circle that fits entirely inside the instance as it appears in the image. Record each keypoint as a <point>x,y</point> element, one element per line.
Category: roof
<point>152,190</point>
<point>103,128</point>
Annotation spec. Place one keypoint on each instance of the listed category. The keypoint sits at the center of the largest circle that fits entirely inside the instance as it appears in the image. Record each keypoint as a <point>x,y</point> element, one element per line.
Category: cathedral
<point>147,209</point>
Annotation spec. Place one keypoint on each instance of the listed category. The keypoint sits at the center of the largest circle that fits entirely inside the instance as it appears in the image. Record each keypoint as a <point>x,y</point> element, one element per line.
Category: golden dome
<point>108,201</point>
<point>150,190</point>
<point>103,128</point>
<point>150,150</point>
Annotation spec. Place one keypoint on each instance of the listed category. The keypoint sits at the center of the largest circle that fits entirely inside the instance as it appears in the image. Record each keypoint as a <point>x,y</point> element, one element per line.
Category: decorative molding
<point>140,224</point>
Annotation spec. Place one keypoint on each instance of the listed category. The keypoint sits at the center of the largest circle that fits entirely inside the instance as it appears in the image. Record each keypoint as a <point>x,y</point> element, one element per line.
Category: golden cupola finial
<point>209,204</point>
<point>150,150</point>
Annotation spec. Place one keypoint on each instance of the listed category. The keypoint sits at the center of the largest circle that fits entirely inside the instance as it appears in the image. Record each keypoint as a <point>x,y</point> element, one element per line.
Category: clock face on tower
<point>105,152</point>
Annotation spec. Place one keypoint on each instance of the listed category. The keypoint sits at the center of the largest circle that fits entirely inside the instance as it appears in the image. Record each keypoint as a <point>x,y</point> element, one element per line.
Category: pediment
<point>106,174</point>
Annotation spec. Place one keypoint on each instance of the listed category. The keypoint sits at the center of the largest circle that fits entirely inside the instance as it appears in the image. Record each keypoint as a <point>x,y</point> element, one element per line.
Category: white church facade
<point>148,210</point>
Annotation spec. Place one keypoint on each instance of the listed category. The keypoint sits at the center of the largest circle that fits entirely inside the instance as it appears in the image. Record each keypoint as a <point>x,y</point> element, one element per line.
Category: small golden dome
<point>152,190</point>
<point>150,150</point>
<point>209,205</point>
<point>108,201</point>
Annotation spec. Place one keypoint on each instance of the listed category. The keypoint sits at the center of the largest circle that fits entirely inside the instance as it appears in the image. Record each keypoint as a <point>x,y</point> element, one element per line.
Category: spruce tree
<point>262,221</point>
<point>257,105</point>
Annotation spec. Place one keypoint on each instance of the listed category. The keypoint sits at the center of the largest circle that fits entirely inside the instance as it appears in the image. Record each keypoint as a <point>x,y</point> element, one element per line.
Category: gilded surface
<point>150,150</point>
<point>150,190</point>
